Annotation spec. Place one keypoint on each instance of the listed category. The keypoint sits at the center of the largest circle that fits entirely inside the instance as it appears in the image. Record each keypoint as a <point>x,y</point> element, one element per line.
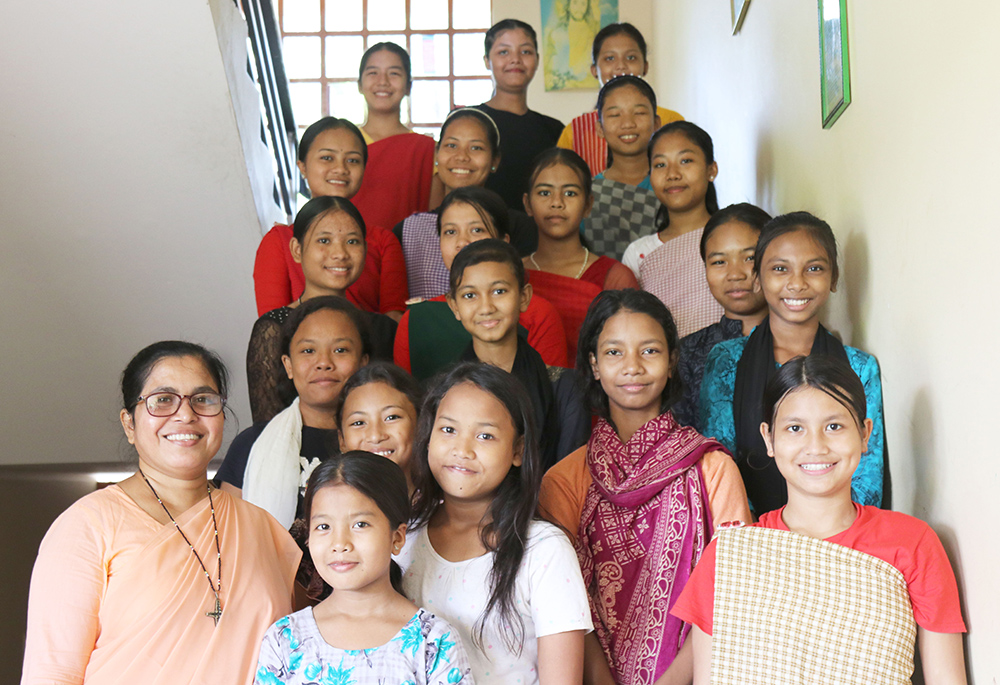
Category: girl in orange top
<point>641,475</point>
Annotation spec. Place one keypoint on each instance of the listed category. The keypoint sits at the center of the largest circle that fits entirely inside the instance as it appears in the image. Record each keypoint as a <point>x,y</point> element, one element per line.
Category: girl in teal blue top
<point>795,264</point>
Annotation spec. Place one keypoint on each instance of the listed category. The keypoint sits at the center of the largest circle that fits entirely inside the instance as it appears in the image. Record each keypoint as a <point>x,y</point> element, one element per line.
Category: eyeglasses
<point>163,404</point>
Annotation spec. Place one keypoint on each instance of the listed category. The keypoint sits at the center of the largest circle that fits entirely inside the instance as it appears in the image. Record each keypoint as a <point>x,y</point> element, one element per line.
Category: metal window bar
<point>278,129</point>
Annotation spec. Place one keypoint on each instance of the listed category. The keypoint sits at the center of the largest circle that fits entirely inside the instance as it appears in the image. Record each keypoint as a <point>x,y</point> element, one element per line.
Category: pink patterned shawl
<point>644,526</point>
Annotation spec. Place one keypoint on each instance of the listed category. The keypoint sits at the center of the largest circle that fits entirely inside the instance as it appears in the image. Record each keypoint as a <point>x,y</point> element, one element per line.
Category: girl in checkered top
<point>624,202</point>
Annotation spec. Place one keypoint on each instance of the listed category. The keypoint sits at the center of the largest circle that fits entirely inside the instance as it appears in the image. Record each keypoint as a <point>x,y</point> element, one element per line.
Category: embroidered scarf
<point>766,488</point>
<point>644,526</point>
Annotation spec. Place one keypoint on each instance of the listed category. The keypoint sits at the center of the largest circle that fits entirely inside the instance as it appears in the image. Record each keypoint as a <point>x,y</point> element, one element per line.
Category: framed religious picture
<point>834,63</point>
<point>568,30</point>
<point>738,9</point>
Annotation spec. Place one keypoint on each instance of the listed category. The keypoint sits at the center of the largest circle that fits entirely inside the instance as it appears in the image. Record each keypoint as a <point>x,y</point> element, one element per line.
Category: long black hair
<point>699,137</point>
<point>618,29</point>
<point>606,305</point>
<point>560,155</point>
<point>286,386</point>
<point>489,250</point>
<point>508,25</point>
<point>504,530</point>
<point>139,368</point>
<point>395,49</point>
<point>318,207</point>
<point>381,372</point>
<point>798,221</point>
<point>622,81</point>
<point>488,205</point>
<point>825,373</point>
<point>743,212</point>
<point>328,124</point>
<point>482,118</point>
<point>377,478</point>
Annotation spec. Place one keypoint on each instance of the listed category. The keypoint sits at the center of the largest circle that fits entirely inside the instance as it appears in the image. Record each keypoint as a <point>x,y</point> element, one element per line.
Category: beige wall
<point>564,105</point>
<point>908,179</point>
<point>127,214</point>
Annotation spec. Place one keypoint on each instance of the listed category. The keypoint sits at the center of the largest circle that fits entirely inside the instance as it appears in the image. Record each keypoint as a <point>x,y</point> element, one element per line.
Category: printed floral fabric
<point>426,651</point>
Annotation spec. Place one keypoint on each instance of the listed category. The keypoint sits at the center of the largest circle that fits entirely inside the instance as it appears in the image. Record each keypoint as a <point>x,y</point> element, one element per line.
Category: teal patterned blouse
<point>426,651</point>
<point>717,411</point>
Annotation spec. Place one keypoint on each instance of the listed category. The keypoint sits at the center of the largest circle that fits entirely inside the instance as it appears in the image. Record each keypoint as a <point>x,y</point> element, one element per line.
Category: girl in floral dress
<point>366,631</point>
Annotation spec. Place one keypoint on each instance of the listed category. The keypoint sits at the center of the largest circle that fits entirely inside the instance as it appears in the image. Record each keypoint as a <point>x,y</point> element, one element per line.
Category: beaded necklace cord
<point>216,614</point>
<point>583,267</point>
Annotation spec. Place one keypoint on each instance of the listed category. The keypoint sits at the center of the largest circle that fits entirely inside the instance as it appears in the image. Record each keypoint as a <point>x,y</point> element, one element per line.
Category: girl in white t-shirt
<point>509,584</point>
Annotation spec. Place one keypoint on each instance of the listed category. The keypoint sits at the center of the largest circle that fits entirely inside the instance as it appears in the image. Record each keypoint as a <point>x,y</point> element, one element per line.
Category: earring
<point>493,169</point>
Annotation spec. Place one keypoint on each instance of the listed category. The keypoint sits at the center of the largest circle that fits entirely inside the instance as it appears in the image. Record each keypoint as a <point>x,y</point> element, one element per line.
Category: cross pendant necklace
<point>216,589</point>
<point>217,614</point>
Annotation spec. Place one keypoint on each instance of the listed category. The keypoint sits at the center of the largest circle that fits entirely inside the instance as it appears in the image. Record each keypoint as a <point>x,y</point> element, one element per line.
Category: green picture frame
<point>834,60</point>
<point>738,11</point>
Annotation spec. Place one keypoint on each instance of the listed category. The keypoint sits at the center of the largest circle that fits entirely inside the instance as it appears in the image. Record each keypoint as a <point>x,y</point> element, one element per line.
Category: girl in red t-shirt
<point>816,429</point>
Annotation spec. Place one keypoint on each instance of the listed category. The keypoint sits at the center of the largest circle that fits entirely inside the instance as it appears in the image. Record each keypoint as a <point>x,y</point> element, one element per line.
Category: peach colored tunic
<point>118,598</point>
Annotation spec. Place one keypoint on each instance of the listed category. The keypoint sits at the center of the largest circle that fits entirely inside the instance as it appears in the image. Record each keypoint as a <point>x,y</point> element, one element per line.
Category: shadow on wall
<point>854,279</point>
<point>922,458</point>
<point>765,172</point>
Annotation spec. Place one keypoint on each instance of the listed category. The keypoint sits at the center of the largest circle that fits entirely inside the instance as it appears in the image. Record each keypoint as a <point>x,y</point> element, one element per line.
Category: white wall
<point>907,177</point>
<point>564,105</point>
<point>127,211</point>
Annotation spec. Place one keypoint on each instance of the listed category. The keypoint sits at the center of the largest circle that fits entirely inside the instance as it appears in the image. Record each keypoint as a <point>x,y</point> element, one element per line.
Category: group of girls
<point>537,502</point>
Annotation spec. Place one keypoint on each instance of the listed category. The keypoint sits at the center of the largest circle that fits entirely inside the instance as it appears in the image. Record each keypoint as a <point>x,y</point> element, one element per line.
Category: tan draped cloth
<point>117,598</point>
<point>794,610</point>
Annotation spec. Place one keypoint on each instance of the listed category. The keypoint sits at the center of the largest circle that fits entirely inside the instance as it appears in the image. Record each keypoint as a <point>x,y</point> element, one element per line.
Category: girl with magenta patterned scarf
<point>643,497</point>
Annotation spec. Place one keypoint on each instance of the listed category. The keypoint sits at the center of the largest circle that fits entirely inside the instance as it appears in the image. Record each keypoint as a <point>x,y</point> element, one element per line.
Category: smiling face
<point>351,541</point>
<point>629,121</point>
<point>464,156</point>
<point>462,224</point>
<point>332,254</point>
<point>489,302</point>
<point>334,164</point>
<point>816,443</point>
<point>729,268</point>
<point>679,173</point>
<point>796,277</point>
<point>178,446</point>
<point>557,202</point>
<point>633,364</point>
<point>619,55</point>
<point>513,60</point>
<point>383,82</point>
<point>379,419</point>
<point>473,444</point>
<point>324,352</point>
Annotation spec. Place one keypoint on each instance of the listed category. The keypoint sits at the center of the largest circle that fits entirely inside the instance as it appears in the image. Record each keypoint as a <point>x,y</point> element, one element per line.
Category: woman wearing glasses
<point>161,578</point>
